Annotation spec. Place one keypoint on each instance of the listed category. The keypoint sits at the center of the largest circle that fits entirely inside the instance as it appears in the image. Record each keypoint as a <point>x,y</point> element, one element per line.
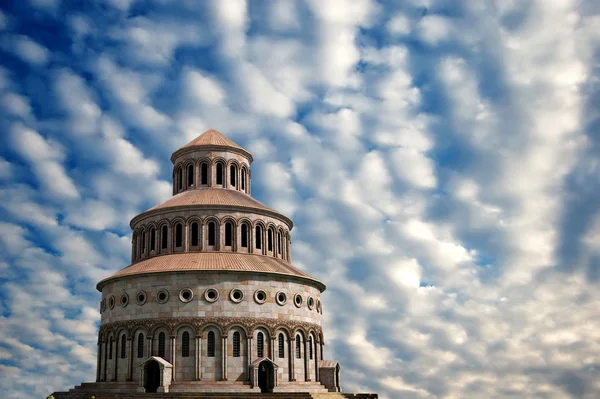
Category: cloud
<point>45,158</point>
<point>440,167</point>
<point>26,49</point>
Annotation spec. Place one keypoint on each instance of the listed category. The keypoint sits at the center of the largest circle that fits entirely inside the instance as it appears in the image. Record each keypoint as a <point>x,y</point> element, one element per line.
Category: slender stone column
<point>198,357</point>
<point>224,358</point>
<point>292,352</point>
<point>105,360</point>
<point>148,346</point>
<point>273,351</point>
<point>115,360</point>
<point>306,359</point>
<point>173,356</point>
<point>249,355</point>
<point>130,360</point>
<point>317,353</point>
<point>99,359</point>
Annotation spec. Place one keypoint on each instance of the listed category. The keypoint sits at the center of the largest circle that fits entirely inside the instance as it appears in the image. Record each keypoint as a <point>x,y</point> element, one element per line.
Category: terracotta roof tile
<point>212,196</point>
<point>212,137</point>
<point>223,261</point>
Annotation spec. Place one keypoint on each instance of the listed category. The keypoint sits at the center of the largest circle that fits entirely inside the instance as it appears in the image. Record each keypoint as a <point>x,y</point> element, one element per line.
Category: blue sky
<point>439,159</point>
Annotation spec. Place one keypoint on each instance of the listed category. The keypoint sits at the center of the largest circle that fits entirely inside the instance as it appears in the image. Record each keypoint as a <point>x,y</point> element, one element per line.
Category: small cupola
<point>211,160</point>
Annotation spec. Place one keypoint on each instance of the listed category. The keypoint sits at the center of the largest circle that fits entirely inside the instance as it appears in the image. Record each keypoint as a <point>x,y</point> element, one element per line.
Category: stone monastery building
<point>211,301</point>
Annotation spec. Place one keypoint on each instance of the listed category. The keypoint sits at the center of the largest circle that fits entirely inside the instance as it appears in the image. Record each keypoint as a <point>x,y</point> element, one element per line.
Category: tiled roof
<point>211,261</point>
<point>212,196</point>
<point>212,137</point>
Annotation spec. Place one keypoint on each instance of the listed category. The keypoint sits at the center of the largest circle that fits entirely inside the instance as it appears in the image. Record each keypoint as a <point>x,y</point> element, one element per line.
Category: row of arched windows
<point>185,345</point>
<point>210,235</point>
<point>295,348</point>
<point>211,174</point>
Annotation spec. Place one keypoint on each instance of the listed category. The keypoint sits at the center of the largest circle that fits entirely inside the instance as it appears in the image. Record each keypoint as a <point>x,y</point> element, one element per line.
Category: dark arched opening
<point>152,376</point>
<point>228,234</point>
<point>232,175</point>
<point>204,173</point>
<point>266,380</point>
<point>220,174</point>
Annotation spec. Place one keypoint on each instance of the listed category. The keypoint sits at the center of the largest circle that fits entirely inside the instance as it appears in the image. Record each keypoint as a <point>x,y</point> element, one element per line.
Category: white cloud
<point>399,25</point>
<point>27,49</point>
<point>45,158</point>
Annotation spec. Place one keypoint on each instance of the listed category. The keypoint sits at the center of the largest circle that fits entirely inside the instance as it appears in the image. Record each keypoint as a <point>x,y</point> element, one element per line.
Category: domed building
<point>211,301</point>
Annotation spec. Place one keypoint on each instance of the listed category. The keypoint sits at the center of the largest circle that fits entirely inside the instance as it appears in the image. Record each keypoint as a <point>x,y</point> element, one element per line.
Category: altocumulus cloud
<point>440,160</point>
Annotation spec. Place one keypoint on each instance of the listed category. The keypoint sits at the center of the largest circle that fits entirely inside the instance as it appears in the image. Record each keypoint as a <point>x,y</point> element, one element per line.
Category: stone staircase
<point>216,395</point>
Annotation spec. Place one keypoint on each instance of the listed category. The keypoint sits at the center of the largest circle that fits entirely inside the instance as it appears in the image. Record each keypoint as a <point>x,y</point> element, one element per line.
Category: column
<point>199,357</point>
<point>130,359</point>
<point>148,346</point>
<point>292,357</point>
<point>273,351</point>
<point>98,359</point>
<point>306,359</point>
<point>249,355</point>
<point>317,353</point>
<point>105,360</point>
<point>173,356</point>
<point>224,358</point>
<point>115,359</point>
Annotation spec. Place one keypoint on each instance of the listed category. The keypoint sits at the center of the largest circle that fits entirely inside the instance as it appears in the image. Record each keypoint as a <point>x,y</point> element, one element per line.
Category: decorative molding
<point>172,324</point>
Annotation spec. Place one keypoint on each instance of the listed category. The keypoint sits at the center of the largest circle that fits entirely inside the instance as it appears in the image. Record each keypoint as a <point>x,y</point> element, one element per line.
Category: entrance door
<point>152,376</point>
<point>265,376</point>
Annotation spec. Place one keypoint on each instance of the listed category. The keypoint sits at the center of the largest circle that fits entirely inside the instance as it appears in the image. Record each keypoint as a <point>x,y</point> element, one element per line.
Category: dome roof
<point>212,261</point>
<point>212,138</point>
<point>213,198</point>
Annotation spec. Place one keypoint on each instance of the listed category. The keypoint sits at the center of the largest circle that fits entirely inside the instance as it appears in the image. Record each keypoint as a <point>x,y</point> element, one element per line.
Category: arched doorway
<point>152,374</point>
<point>266,375</point>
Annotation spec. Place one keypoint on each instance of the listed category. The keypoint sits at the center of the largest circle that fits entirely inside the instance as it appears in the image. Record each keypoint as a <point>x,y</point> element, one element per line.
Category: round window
<point>124,301</point>
<point>260,296</point>
<point>162,296</point>
<point>186,295</point>
<point>236,295</point>
<point>211,295</point>
<point>141,298</point>
<point>311,303</point>
<point>111,301</point>
<point>298,300</point>
<point>281,298</point>
<point>319,306</point>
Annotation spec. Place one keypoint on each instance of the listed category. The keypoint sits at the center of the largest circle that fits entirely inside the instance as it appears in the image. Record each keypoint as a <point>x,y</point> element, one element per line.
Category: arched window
<point>204,173</point>
<point>211,233</point>
<point>281,346</point>
<point>185,344</point>
<point>161,344</point>
<point>211,344</point>
<point>310,348</point>
<point>140,345</point>
<point>279,242</point>
<point>220,173</point>
<point>232,175</point>
<point>123,348</point>
<point>164,236</point>
<point>243,182</point>
<point>260,344</point>
<point>270,242</point>
<point>195,240</point>
<point>228,234</point>
<point>258,236</point>
<point>179,235</point>
<point>153,239</point>
<point>110,348</point>
<point>143,249</point>
<point>190,176</point>
<point>298,353</point>
<point>236,344</point>
<point>179,179</point>
<point>244,235</point>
